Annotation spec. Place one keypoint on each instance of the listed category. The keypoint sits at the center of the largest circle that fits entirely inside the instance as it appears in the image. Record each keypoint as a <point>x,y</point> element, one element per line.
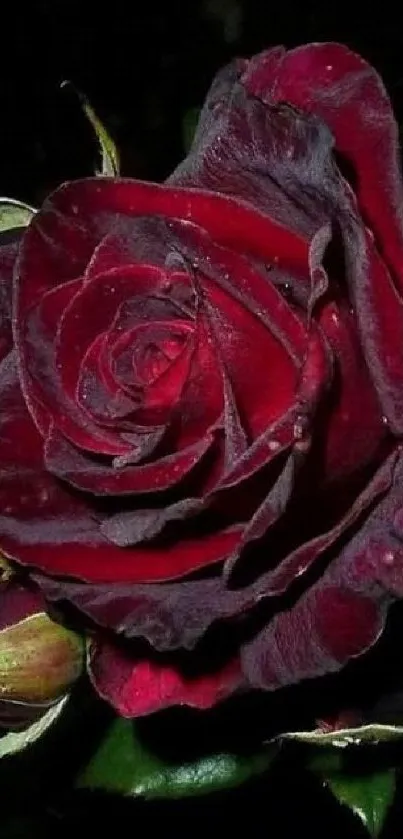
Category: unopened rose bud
<point>39,659</point>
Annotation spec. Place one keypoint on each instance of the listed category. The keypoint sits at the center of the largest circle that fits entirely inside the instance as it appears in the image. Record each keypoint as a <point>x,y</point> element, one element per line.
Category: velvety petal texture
<point>201,397</point>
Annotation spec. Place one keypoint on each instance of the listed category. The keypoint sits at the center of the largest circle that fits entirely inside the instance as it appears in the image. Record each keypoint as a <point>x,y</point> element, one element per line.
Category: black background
<point>143,66</point>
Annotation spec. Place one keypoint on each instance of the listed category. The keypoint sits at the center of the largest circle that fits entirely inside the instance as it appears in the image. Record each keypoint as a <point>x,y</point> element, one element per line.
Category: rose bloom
<point>202,393</point>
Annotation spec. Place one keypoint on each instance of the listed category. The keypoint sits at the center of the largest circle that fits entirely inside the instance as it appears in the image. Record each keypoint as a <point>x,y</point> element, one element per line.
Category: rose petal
<point>55,230</point>
<point>245,285</point>
<point>105,202</point>
<point>102,295</point>
<point>135,688</point>
<point>17,603</point>
<point>177,615</point>
<point>262,373</point>
<point>339,86</point>
<point>191,390</point>
<point>306,642</point>
<point>66,462</point>
<point>353,429</point>
<point>274,158</point>
<point>132,528</point>
<point>379,312</point>
<point>45,397</point>
<point>341,615</point>
<point>45,525</point>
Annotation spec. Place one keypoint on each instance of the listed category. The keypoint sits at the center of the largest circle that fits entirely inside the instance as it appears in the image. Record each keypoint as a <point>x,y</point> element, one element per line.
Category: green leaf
<point>14,213</point>
<point>109,152</point>
<point>368,794</point>
<point>125,765</point>
<point>364,735</point>
<point>16,741</point>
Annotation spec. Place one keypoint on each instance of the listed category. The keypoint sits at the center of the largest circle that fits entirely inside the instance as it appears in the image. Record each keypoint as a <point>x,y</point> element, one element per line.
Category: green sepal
<point>14,213</point>
<point>110,160</point>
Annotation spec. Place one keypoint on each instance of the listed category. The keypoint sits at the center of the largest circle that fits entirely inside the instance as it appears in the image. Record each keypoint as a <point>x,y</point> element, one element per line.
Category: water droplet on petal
<point>286,290</point>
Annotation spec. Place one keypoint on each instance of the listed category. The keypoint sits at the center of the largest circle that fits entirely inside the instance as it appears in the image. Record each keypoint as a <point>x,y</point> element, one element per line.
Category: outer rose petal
<point>339,618</point>
<point>344,613</point>
<point>340,87</point>
<point>239,139</point>
<point>177,615</point>
<point>271,157</point>
<point>144,686</point>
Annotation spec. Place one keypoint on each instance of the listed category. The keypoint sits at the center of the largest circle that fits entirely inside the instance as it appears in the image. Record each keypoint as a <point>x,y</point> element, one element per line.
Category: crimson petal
<point>274,158</point>
<point>344,613</point>
<point>64,461</point>
<point>177,615</point>
<point>44,394</point>
<point>336,84</point>
<point>104,201</point>
<point>101,295</point>
<point>139,687</point>
<point>45,525</point>
<point>18,603</point>
<point>137,526</point>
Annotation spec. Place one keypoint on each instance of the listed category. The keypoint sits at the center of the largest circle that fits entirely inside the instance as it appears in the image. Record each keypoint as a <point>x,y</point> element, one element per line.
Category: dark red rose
<point>203,407</point>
